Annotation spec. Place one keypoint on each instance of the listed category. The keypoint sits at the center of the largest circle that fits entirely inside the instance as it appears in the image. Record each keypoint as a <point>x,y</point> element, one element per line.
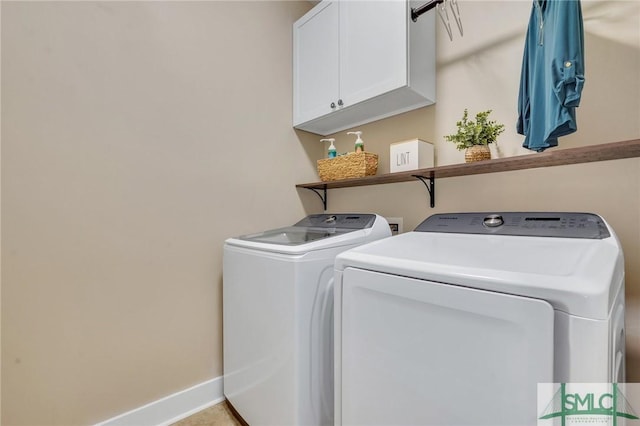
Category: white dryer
<point>457,322</point>
<point>278,317</point>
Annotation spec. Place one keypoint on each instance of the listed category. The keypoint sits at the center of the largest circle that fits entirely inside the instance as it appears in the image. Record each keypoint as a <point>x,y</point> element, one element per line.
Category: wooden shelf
<point>585,154</point>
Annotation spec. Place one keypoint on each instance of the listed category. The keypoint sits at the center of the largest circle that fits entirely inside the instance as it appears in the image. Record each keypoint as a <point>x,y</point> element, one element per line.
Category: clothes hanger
<point>444,16</point>
<point>456,14</point>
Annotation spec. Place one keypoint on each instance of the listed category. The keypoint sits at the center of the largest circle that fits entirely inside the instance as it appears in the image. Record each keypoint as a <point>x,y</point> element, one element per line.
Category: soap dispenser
<point>359,142</point>
<point>331,153</point>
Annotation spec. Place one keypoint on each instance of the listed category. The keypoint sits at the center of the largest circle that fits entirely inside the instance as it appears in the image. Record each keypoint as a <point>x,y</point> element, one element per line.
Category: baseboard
<point>172,408</point>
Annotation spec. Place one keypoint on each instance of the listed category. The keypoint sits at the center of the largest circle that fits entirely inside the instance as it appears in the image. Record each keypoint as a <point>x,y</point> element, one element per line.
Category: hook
<point>456,14</point>
<point>442,11</point>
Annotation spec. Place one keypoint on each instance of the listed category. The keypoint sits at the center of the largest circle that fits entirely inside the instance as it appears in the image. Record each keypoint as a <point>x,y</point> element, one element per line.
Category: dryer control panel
<point>534,224</point>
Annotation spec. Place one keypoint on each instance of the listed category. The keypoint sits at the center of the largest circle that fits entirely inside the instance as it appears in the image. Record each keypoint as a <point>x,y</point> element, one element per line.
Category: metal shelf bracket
<point>431,187</point>
<point>322,196</point>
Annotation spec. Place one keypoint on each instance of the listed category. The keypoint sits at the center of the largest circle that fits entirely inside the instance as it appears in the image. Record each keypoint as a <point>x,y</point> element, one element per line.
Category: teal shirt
<point>552,75</point>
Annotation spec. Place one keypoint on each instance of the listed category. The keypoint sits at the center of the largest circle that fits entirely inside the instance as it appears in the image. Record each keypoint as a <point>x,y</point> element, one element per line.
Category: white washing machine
<point>457,322</point>
<point>278,317</point>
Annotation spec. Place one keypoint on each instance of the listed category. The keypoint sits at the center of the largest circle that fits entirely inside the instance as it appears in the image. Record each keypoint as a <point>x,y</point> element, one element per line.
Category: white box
<point>410,155</point>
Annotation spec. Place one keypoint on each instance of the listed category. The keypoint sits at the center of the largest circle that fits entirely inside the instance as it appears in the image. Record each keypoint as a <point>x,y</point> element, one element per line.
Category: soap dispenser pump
<point>331,153</point>
<point>359,142</point>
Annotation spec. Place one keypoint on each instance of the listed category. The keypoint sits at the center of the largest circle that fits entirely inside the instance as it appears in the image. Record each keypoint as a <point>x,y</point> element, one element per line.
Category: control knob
<point>330,219</point>
<point>493,220</point>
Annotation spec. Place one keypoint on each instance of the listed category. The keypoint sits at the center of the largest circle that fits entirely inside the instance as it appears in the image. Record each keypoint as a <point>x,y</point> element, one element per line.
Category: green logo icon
<point>610,402</point>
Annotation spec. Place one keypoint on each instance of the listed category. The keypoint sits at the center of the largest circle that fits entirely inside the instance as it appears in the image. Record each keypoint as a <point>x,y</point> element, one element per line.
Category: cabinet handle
<point>340,102</point>
<point>333,105</point>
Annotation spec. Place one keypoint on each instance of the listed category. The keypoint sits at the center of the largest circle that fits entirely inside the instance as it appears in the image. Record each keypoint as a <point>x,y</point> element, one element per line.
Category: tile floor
<point>218,415</point>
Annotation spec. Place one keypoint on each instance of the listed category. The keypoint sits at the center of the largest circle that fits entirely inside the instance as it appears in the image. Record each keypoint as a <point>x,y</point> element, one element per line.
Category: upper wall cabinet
<point>355,62</point>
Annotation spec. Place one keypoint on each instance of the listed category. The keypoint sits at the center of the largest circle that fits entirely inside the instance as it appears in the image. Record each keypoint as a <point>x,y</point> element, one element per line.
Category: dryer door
<point>418,352</point>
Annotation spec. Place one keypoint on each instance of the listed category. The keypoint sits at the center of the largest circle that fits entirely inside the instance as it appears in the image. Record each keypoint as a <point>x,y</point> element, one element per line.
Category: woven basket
<point>353,165</point>
<point>477,153</point>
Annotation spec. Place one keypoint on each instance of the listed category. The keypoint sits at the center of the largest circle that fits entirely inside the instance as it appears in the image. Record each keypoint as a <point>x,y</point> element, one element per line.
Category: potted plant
<point>475,136</point>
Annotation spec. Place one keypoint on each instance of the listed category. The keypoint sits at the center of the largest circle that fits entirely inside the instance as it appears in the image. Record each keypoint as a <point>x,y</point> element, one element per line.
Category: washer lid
<point>317,232</point>
<point>576,275</point>
<point>294,235</point>
<point>313,228</point>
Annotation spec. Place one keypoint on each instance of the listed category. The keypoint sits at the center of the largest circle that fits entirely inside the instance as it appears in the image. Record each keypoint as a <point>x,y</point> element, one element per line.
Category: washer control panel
<point>534,224</point>
<point>345,221</point>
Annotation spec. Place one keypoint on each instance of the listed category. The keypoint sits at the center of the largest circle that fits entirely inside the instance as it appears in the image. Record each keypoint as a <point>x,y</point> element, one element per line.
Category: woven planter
<point>477,153</point>
<point>353,165</point>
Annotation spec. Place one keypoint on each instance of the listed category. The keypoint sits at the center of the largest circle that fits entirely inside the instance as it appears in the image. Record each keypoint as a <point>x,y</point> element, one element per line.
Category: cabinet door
<point>373,48</point>
<point>315,63</point>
